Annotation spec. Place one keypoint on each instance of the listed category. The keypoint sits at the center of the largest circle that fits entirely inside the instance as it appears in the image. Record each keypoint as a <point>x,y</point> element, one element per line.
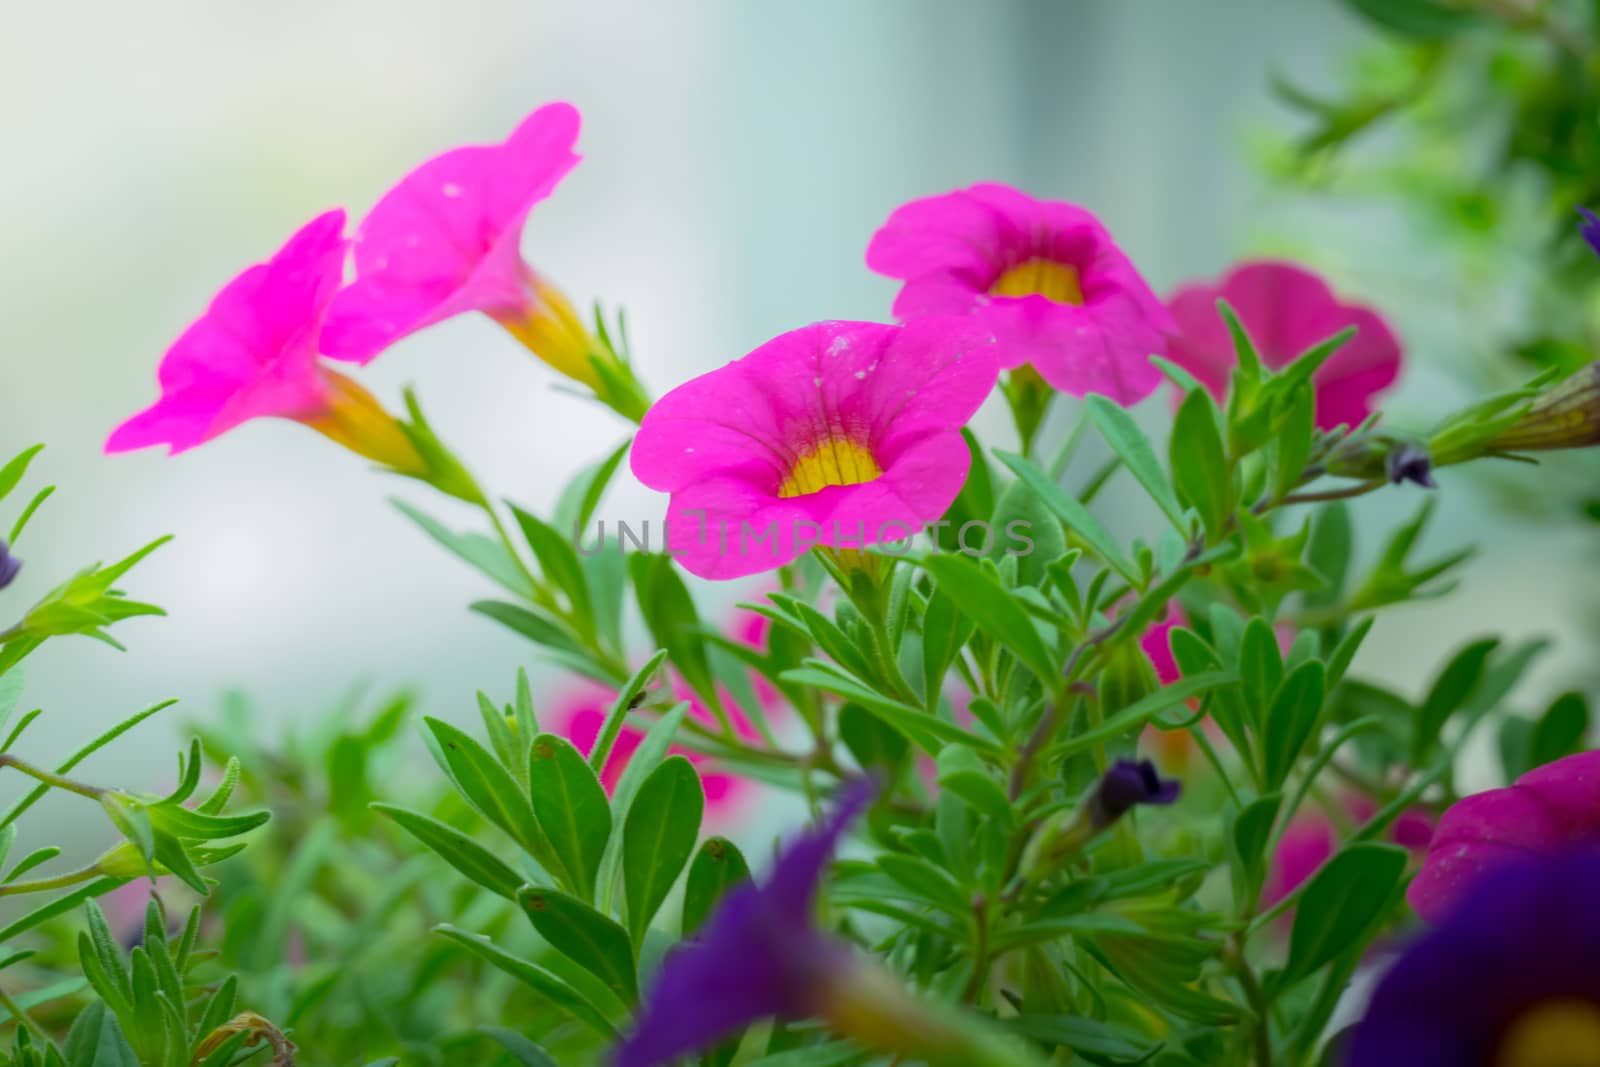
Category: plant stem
<point>50,778</point>
<point>1256,998</point>
<point>60,881</point>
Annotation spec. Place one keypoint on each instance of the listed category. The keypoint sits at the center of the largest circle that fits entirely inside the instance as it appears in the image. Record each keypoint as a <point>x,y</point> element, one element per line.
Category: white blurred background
<point>738,156</point>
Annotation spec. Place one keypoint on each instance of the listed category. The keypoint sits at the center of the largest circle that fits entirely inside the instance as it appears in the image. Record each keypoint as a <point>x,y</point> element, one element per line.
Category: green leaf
<point>96,1040</point>
<point>1077,517</point>
<point>534,977</point>
<point>1142,711</point>
<point>490,789</point>
<point>1291,721</point>
<point>717,868</point>
<point>537,626</point>
<point>484,554</point>
<point>1096,1041</point>
<point>1122,433</point>
<point>674,624</point>
<point>572,809</point>
<point>522,1050</point>
<point>1332,542</point>
<point>873,743</point>
<point>1292,449</point>
<point>995,611</point>
<point>458,850</point>
<point>627,698</point>
<point>559,562</point>
<point>1559,732</point>
<point>582,494</point>
<point>1260,668</point>
<point>1029,532</point>
<point>11,474</point>
<point>928,882</point>
<point>917,725</point>
<point>1450,693</point>
<point>964,774</point>
<point>658,838</point>
<point>1420,20</point>
<point>16,810</point>
<point>644,760</point>
<point>1199,464</point>
<point>584,936</point>
<point>1251,832</point>
<point>1343,900</point>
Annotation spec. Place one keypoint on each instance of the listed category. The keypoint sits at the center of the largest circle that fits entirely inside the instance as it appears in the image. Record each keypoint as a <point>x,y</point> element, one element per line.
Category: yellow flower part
<point>1040,277</point>
<point>1557,1033</point>
<point>833,461</point>
<point>357,421</point>
<point>553,331</point>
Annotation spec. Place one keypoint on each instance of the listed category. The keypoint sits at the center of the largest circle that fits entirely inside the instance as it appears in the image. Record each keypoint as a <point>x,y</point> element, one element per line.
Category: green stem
<point>60,881</point>
<point>22,1017</point>
<point>50,778</point>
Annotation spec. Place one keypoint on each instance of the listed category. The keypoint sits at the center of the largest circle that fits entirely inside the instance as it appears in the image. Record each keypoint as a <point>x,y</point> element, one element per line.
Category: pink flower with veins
<point>839,434</point>
<point>447,240</point>
<point>253,354</point>
<point>1045,277</point>
<point>1286,310</point>
<point>1543,812</point>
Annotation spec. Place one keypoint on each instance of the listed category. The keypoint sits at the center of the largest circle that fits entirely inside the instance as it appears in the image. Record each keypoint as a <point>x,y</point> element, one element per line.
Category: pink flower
<point>447,239</point>
<point>1286,310</point>
<point>1045,277</point>
<point>1547,809</point>
<point>840,433</point>
<point>253,354</point>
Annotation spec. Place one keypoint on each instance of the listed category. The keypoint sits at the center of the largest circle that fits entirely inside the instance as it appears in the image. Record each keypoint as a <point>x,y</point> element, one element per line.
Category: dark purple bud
<point>1590,229</point>
<point>1410,463</point>
<point>9,565</point>
<point>1126,784</point>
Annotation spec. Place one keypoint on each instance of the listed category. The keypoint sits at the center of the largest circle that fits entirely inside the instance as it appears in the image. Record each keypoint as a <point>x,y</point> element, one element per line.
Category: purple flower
<point>1410,463</point>
<point>9,565</point>
<point>1511,977</point>
<point>1126,784</point>
<point>1590,229</point>
<point>760,955</point>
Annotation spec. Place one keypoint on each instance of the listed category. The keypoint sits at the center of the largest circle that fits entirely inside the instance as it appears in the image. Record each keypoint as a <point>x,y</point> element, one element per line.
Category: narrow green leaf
<point>484,554</point>
<point>559,562</point>
<point>572,808</point>
<point>1199,464</point>
<point>458,850</point>
<point>490,789</point>
<point>658,838</point>
<point>524,1051</point>
<point>1291,720</point>
<point>11,474</point>
<point>1129,442</point>
<point>534,977</point>
<point>717,868</point>
<point>995,611</point>
<point>1077,517</point>
<point>645,759</point>
<point>1335,911</point>
<point>584,936</point>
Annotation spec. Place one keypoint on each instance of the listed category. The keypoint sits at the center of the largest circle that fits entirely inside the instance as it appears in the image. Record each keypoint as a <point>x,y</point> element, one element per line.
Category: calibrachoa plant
<point>969,779</point>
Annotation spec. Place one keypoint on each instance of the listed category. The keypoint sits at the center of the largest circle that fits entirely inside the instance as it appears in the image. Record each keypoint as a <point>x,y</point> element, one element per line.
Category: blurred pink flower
<point>840,433</point>
<point>1547,809</point>
<point>253,354</point>
<point>447,240</point>
<point>1311,837</point>
<point>1044,276</point>
<point>1286,310</point>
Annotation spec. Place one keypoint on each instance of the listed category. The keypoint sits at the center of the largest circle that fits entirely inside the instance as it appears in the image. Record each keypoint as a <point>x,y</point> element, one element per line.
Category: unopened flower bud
<point>1126,784</point>
<point>1410,463</point>
<point>1566,416</point>
<point>9,565</point>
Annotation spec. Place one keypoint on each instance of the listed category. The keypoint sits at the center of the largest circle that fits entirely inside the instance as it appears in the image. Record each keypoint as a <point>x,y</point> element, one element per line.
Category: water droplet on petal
<point>451,189</point>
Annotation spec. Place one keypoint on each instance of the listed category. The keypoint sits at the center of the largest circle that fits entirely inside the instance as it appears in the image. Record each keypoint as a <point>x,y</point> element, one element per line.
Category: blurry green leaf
<point>658,838</point>
<point>628,697</point>
<point>1332,541</point>
<point>484,554</point>
<point>458,850</point>
<point>1077,517</point>
<point>674,624</point>
<point>584,936</point>
<point>1122,433</point>
<point>522,1050</point>
<point>964,774</point>
<point>1339,906</point>
<point>1141,712</point>
<point>1097,1042</point>
<point>1250,834</point>
<point>917,725</point>
<point>1295,708</point>
<point>871,742</point>
<point>1292,450</point>
<point>1420,20</point>
<point>1560,731</point>
<point>1025,529</point>
<point>559,562</point>
<point>1200,470</point>
<point>930,883</point>
<point>1450,693</point>
<point>537,625</point>
<point>12,473</point>
<point>994,610</point>
<point>534,977</point>
<point>717,868</point>
<point>572,809</point>
<point>582,494</point>
<point>644,760</point>
<point>1260,667</point>
<point>944,631</point>
<point>96,1040</point>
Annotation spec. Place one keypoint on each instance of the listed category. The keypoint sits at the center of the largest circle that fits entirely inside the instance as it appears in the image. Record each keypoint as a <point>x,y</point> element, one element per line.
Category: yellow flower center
<point>1040,277</point>
<point>552,329</point>
<point>1557,1033</point>
<point>832,461</point>
<point>357,421</point>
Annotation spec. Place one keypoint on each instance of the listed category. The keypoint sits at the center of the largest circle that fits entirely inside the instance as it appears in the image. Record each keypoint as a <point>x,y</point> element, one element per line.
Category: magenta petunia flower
<point>1286,310</point>
<point>253,354</point>
<point>843,434</point>
<point>1548,809</point>
<point>447,240</point>
<point>1044,277</point>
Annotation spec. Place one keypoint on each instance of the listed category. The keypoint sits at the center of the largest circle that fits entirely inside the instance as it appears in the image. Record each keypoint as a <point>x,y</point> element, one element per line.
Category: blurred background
<point>737,158</point>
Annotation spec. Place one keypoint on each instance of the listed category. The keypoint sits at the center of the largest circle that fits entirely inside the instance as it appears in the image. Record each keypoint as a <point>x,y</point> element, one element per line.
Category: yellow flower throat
<point>832,461</point>
<point>1040,277</point>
